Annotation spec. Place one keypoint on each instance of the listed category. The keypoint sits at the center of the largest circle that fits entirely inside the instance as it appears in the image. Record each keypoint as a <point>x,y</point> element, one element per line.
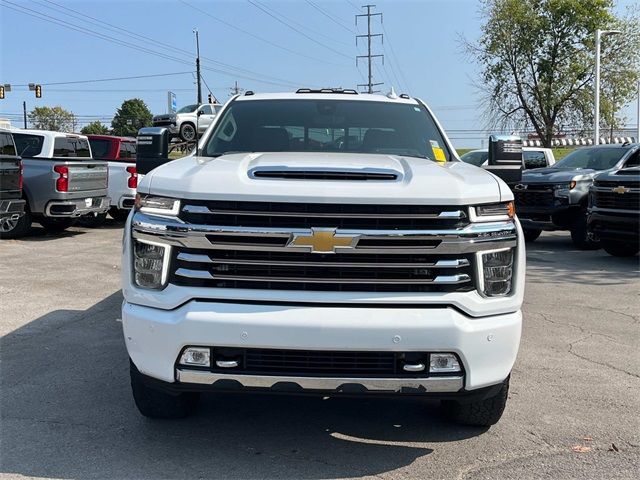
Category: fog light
<point>497,272</point>
<point>150,263</point>
<point>443,363</point>
<point>196,356</point>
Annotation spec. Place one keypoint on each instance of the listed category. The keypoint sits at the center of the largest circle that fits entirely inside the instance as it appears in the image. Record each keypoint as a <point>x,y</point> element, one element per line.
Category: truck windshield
<point>28,145</point>
<point>100,148</point>
<point>328,126</point>
<point>188,109</point>
<point>475,158</point>
<point>591,158</point>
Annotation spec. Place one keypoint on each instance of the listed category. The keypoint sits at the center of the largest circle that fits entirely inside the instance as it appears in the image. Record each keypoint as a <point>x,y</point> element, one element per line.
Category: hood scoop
<point>330,174</point>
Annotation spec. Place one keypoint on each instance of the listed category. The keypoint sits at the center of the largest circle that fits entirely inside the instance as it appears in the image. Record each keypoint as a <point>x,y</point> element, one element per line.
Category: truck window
<point>28,145</point>
<point>634,160</point>
<point>127,150</point>
<point>71,147</point>
<point>533,159</point>
<point>6,145</point>
<point>100,148</point>
<point>207,110</point>
<point>328,126</point>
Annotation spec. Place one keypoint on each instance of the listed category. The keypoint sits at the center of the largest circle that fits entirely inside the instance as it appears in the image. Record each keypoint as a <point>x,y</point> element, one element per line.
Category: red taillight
<point>20,175</point>
<point>62,182</point>
<point>133,177</point>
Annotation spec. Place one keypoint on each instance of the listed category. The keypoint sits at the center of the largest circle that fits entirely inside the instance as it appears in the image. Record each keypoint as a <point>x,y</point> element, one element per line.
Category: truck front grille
<point>617,201</point>
<point>534,196</point>
<point>322,272</point>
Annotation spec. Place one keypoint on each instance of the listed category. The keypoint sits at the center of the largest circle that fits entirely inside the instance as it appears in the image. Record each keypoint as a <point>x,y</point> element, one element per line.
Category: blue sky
<point>422,51</point>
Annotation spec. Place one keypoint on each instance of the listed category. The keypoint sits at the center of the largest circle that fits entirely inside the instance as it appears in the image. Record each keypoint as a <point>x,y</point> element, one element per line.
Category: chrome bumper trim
<point>431,384</point>
<point>80,207</point>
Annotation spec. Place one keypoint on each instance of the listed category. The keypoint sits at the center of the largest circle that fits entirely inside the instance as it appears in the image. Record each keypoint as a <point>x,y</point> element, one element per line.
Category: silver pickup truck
<point>61,180</point>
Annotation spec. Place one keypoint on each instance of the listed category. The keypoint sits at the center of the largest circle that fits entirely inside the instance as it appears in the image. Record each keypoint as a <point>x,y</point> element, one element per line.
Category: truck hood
<point>556,175</point>
<point>241,177</point>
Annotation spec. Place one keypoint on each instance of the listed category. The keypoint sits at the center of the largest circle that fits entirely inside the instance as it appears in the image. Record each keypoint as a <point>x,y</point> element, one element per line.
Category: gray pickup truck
<point>61,180</point>
<point>11,202</point>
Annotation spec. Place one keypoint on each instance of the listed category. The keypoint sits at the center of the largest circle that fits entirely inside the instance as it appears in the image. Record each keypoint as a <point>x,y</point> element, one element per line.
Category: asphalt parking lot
<point>67,410</point>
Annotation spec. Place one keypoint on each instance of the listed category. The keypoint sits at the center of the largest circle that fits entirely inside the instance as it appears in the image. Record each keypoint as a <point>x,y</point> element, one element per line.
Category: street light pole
<point>596,115</point>
<point>198,66</point>
<point>638,115</point>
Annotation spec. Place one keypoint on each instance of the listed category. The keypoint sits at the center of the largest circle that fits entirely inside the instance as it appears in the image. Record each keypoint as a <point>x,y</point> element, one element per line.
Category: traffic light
<point>38,91</point>
<point>1,92</point>
<point>210,98</point>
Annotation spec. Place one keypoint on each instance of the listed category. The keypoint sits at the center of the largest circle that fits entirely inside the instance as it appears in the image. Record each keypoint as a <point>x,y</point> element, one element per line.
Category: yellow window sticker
<point>438,152</point>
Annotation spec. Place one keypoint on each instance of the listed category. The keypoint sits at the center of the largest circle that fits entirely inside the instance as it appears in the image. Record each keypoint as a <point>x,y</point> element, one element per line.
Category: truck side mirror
<point>505,158</point>
<point>153,148</point>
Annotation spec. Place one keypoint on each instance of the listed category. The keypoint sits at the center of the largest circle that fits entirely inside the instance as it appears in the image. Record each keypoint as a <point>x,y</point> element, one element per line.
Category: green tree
<point>95,128</point>
<point>537,63</point>
<point>132,115</point>
<point>52,118</point>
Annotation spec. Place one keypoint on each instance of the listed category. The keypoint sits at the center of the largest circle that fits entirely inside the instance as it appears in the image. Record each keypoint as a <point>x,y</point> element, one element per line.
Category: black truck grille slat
<point>307,215</point>
<point>533,197</point>
<point>627,201</point>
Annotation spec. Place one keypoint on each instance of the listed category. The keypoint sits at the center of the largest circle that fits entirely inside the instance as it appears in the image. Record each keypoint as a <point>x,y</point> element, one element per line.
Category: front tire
<point>56,225</point>
<point>481,413</point>
<point>621,249</point>
<point>580,235</point>
<point>155,403</point>
<point>16,228</point>
<point>188,132</point>
<point>531,235</point>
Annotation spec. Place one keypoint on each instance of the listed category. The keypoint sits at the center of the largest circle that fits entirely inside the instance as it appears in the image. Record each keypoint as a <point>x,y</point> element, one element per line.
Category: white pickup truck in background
<point>324,242</point>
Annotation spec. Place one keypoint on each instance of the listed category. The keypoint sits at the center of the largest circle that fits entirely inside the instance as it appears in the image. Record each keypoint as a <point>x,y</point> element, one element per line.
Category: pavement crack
<point>587,359</point>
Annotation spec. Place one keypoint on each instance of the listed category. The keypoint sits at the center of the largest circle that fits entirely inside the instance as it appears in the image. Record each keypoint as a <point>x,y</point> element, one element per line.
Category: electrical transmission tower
<point>369,56</point>
<point>235,90</point>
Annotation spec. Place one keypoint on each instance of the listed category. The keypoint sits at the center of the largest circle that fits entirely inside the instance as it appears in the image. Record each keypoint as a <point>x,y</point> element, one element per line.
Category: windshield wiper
<point>230,152</point>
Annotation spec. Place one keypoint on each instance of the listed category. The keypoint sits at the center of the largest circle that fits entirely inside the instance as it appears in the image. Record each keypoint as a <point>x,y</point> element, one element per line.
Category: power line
<point>288,25</point>
<point>369,56</point>
<point>253,35</point>
<point>96,80</point>
<point>394,56</point>
<point>329,16</point>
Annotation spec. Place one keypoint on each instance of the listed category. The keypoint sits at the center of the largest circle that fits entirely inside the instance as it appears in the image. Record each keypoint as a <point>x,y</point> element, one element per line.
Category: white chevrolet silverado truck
<point>323,242</point>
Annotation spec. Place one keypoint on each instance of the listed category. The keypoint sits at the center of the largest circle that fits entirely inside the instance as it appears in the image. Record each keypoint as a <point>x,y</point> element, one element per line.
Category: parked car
<point>61,180</point>
<point>534,157</point>
<point>377,264</point>
<point>614,211</point>
<point>555,198</point>
<point>11,201</point>
<point>183,123</point>
<point>120,155</point>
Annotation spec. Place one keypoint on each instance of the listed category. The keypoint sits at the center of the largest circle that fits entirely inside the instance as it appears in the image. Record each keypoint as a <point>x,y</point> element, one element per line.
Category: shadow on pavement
<point>67,412</point>
<point>554,259</point>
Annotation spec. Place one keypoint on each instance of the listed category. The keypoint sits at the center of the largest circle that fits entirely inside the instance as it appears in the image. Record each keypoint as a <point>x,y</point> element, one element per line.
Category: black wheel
<point>55,225</point>
<point>531,235</point>
<point>580,235</point>
<point>482,413</point>
<point>92,220</point>
<point>118,214</point>
<point>16,228</point>
<point>154,403</point>
<point>188,132</point>
<point>620,249</point>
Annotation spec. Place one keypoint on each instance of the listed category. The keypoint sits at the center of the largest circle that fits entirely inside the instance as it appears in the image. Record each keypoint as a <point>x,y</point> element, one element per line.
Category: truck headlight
<point>150,263</point>
<point>157,205</point>
<point>495,272</point>
<point>563,189</point>
<point>492,212</point>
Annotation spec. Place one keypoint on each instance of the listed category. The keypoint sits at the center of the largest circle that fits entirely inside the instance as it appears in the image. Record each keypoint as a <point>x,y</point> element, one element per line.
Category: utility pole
<point>369,56</point>
<point>638,115</point>
<point>24,113</point>
<point>596,107</point>
<point>235,90</point>
<point>195,30</point>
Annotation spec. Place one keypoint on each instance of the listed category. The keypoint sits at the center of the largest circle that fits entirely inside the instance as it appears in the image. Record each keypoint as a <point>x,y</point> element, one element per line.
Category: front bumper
<point>546,217</point>
<point>77,207</point>
<point>616,225</point>
<point>11,209</point>
<point>487,346</point>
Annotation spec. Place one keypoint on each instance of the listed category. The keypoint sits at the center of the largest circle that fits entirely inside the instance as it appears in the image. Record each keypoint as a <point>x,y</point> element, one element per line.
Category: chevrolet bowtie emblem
<point>322,240</point>
<point>621,190</point>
